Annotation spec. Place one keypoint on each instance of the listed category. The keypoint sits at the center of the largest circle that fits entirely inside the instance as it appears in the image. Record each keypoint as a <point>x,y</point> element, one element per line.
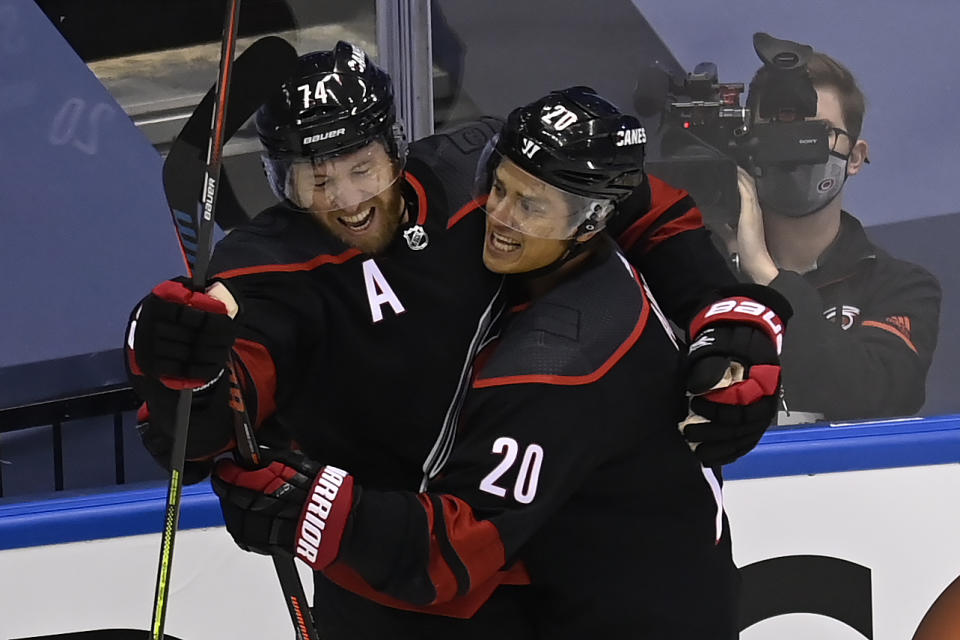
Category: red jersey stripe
<point>465,209</point>
<point>313,263</point>
<point>665,201</point>
<point>476,543</point>
<point>477,547</point>
<point>689,221</point>
<point>421,197</point>
<point>326,258</point>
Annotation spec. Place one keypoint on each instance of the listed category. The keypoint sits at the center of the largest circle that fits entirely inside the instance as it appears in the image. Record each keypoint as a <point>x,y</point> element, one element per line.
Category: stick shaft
<point>295,598</point>
<point>205,224</point>
<point>286,568</point>
<point>208,199</point>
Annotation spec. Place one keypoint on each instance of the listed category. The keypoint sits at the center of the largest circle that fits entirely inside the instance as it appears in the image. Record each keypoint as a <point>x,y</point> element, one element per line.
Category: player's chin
<point>368,228</point>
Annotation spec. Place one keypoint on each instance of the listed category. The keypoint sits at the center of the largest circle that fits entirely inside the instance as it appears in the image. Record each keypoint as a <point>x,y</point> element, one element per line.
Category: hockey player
<point>355,307</point>
<point>568,473</point>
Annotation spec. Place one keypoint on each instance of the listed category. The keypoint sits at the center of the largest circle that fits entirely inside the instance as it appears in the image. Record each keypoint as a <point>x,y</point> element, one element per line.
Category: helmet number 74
<point>319,91</point>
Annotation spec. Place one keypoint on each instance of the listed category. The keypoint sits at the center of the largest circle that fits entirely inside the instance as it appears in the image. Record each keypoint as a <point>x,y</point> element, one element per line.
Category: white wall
<point>901,523</point>
<point>218,592</point>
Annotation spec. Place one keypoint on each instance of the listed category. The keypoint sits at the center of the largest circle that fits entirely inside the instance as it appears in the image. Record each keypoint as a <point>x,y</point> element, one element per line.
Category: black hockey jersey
<point>361,356</point>
<point>569,477</point>
<point>364,359</point>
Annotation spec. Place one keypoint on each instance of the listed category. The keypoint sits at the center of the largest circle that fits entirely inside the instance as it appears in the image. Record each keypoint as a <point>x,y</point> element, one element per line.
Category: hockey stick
<point>256,72</point>
<point>296,600</point>
<point>200,260</point>
<point>286,568</point>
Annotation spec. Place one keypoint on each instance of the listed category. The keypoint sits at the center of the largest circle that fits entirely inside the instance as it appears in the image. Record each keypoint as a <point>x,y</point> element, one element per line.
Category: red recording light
<point>686,125</point>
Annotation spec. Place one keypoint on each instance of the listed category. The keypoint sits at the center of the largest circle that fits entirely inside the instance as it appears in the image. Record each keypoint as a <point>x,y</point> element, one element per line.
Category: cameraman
<point>865,323</point>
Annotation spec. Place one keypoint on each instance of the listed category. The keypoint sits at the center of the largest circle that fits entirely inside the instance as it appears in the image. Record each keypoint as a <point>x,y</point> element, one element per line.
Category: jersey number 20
<point>525,488</point>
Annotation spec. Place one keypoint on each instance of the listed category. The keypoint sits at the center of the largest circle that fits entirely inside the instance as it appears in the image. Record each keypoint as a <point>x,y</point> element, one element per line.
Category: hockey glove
<point>159,445</point>
<point>211,424</point>
<point>180,337</point>
<point>733,373</point>
<point>290,506</point>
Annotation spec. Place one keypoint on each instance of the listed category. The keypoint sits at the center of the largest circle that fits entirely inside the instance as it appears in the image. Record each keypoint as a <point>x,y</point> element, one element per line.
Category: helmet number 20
<point>525,487</point>
<point>559,117</point>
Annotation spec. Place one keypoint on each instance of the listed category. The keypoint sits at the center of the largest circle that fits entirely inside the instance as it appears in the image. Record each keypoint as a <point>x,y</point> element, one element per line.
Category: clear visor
<point>323,184</point>
<point>524,203</point>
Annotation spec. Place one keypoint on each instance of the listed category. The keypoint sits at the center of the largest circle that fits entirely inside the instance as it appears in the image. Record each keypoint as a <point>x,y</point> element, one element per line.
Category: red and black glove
<point>290,506</point>
<point>181,339</point>
<point>179,336</point>
<point>733,372</point>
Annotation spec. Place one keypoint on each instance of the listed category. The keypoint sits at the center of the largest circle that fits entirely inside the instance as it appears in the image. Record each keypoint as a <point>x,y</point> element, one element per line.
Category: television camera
<point>705,132</point>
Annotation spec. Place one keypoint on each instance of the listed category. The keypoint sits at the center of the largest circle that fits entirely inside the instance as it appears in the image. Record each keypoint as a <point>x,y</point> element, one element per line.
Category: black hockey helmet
<point>336,103</point>
<point>577,142</point>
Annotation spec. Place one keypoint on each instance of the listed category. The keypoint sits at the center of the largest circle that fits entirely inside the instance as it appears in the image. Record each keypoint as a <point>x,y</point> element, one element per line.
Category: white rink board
<point>218,592</point>
<point>904,524</point>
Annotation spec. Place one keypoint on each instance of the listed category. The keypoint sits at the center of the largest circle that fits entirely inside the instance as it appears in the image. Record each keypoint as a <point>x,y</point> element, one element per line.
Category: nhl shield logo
<point>416,237</point>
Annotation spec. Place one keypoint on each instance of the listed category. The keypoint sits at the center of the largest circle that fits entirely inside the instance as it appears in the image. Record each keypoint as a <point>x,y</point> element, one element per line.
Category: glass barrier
<point>835,183</point>
<point>870,286</point>
<point>158,71</point>
<point>157,59</point>
<point>90,92</point>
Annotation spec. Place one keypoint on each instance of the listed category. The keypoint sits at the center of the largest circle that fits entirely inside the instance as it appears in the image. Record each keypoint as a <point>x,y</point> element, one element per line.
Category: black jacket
<point>863,331</point>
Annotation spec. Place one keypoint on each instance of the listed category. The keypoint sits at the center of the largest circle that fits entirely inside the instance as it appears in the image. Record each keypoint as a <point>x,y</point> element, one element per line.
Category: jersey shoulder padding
<point>575,333</point>
<point>448,160</point>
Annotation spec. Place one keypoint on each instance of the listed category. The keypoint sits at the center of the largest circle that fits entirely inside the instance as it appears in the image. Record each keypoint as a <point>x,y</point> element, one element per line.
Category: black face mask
<point>804,189</point>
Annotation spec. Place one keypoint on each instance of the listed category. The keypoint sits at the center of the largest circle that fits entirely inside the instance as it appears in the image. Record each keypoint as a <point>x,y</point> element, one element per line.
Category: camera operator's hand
<point>755,260</point>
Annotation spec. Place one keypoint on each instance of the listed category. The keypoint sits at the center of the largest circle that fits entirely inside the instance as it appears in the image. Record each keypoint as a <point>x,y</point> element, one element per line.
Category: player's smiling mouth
<point>502,243</point>
<point>359,221</point>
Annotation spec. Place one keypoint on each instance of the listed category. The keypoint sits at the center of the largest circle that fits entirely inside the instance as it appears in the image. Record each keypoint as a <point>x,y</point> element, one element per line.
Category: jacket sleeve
<point>876,368</point>
<point>664,238</point>
<point>445,550</point>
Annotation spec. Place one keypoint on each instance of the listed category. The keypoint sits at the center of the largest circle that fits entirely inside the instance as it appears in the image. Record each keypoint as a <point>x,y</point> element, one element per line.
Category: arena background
<point>84,231</point>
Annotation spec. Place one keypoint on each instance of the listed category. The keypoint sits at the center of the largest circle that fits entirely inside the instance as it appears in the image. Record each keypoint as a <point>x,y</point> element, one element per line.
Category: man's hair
<point>827,73</point>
